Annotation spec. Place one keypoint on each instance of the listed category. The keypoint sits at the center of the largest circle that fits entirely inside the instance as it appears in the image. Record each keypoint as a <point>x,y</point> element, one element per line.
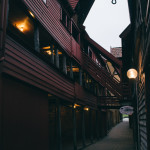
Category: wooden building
<point>136,54</point>
<point>53,77</point>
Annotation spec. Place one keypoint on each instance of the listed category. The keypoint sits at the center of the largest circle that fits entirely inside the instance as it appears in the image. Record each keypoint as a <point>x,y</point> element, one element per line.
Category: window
<point>89,52</point>
<point>66,20</point>
<point>21,25</point>
<point>75,32</point>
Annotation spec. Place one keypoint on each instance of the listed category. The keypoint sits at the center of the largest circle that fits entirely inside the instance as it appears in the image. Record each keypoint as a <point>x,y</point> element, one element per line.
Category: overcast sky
<point>105,22</point>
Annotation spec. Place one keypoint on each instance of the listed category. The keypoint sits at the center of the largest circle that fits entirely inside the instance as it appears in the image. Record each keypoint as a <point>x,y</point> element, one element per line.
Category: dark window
<point>64,17</point>
<point>75,33</point>
<point>66,20</point>
<point>90,53</point>
<point>21,24</point>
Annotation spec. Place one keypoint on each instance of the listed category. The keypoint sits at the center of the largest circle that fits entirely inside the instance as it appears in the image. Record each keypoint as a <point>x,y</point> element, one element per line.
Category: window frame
<point>90,50</point>
<point>67,21</point>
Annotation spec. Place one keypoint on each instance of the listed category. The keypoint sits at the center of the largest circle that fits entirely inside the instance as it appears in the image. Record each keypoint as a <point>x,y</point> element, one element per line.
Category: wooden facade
<point>49,83</point>
<point>136,55</point>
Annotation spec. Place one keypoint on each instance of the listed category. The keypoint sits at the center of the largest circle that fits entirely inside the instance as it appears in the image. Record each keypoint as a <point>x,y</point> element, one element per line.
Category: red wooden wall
<point>49,15</point>
<point>25,66</point>
<point>84,97</point>
<point>25,116</point>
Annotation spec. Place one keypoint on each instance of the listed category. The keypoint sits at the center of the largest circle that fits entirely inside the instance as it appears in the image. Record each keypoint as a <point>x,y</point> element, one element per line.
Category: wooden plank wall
<point>76,51</point>
<point>102,76</point>
<point>84,97</point>
<point>49,15</point>
<point>25,66</point>
<point>142,115</point>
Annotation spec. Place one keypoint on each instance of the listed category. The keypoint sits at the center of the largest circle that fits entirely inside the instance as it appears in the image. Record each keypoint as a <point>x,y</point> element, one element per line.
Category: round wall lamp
<point>132,73</point>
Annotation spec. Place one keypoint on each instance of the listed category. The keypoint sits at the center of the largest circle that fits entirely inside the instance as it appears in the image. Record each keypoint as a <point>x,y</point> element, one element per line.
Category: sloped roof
<point>83,7</point>
<point>73,3</point>
<point>105,53</point>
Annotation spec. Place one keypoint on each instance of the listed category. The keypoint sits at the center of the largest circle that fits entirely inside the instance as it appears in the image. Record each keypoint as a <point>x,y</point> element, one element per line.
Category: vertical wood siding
<point>142,115</point>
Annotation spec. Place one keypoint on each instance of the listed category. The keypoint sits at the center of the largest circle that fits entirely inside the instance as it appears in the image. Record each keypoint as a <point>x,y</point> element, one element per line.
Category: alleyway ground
<point>119,138</point>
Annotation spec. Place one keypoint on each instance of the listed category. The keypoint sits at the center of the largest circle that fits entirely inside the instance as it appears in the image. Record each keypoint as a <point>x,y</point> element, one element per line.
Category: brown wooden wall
<point>101,75</point>
<point>49,16</point>
<point>25,66</point>
<point>1,108</point>
<point>84,97</point>
<point>25,116</point>
<point>142,115</point>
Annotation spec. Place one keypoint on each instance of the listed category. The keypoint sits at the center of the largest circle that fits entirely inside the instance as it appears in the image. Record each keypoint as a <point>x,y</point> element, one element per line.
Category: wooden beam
<point>80,77</point>
<point>97,125</point>
<point>1,114</point>
<point>71,71</point>
<point>83,127</point>
<point>64,64</point>
<point>91,127</point>
<point>58,118</point>
<point>3,24</point>
<point>36,37</point>
<point>74,128</point>
<point>57,59</point>
<point>52,54</point>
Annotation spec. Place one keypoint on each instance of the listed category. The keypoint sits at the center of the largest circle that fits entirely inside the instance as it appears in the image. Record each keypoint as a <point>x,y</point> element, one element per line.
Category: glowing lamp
<point>48,52</point>
<point>75,105</point>
<point>86,108</point>
<point>31,14</point>
<point>132,73</point>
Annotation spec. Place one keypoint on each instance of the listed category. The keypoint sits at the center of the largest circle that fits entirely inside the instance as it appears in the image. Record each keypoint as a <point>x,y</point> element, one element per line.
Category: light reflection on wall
<point>24,25</point>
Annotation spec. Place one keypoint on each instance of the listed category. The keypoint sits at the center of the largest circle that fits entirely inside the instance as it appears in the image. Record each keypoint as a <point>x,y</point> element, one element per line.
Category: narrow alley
<point>119,138</point>
<point>62,90</point>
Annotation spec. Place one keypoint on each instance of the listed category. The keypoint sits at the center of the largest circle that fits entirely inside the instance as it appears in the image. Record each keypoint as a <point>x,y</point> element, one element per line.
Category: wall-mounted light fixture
<point>132,73</point>
<point>75,106</point>
<point>86,108</point>
<point>31,14</point>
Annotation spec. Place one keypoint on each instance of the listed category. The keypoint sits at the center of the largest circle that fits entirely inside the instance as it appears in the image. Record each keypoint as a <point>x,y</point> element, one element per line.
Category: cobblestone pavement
<point>119,138</point>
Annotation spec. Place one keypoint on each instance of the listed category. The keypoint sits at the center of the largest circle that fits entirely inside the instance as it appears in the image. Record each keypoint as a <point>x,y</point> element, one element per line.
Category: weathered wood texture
<point>25,66</point>
<point>142,115</point>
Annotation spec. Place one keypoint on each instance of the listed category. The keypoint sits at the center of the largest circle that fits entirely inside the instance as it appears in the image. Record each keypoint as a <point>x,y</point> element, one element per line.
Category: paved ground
<point>119,138</point>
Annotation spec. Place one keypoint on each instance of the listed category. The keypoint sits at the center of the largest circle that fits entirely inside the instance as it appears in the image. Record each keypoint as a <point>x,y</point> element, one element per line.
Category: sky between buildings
<point>105,22</point>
